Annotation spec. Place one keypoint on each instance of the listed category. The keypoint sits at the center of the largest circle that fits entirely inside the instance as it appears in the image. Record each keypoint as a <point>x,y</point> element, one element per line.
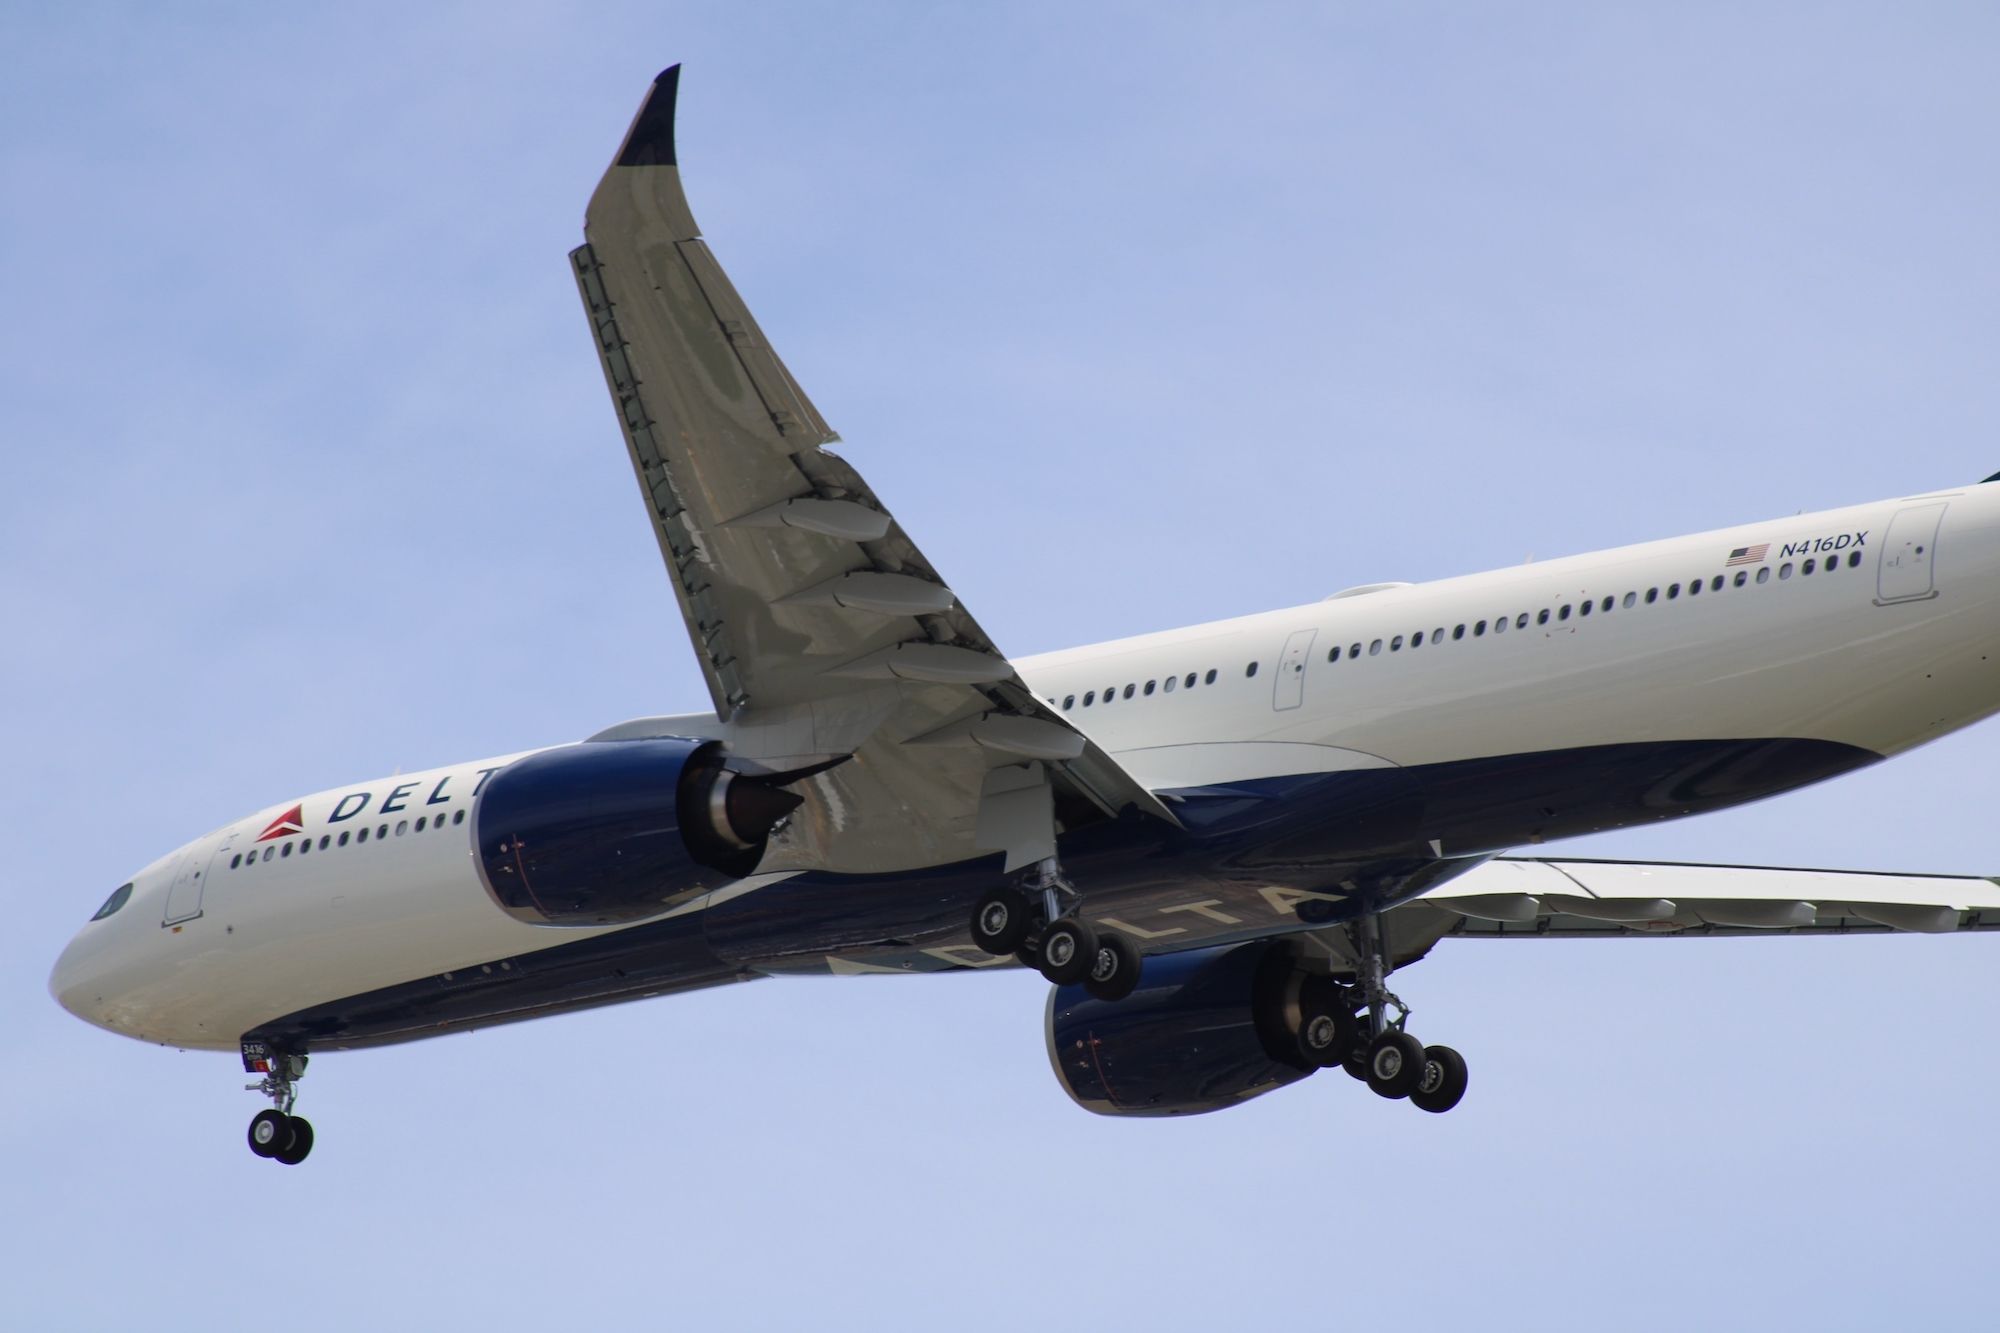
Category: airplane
<point>1217,843</point>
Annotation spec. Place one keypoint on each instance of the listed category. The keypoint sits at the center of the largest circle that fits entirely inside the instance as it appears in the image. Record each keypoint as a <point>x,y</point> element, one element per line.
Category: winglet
<point>650,141</point>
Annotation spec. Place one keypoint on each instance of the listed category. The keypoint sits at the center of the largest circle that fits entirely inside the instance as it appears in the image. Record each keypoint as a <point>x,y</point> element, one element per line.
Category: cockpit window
<point>114,902</point>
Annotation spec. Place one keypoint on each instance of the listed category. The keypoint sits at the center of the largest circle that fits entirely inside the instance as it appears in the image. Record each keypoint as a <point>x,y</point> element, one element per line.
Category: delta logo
<point>285,825</point>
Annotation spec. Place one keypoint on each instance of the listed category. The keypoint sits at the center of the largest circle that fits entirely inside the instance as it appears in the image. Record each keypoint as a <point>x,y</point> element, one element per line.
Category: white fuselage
<point>1878,653</point>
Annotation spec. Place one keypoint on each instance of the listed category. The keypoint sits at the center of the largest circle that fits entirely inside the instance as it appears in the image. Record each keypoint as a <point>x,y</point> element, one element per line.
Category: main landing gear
<point>1038,925</point>
<point>277,1133</point>
<point>1363,1028</point>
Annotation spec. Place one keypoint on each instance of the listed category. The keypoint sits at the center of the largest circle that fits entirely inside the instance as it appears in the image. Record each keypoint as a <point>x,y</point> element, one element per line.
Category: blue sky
<point>1137,317</point>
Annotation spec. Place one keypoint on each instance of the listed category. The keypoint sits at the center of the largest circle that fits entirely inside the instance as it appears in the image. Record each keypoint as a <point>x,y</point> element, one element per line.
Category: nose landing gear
<point>277,1133</point>
<point>1038,925</point>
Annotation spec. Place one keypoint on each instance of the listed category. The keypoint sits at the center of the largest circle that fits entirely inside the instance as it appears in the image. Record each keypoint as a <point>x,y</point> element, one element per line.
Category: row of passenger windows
<point>1500,624</point>
<point>326,840</point>
<point>1112,694</point>
<point>1479,628</point>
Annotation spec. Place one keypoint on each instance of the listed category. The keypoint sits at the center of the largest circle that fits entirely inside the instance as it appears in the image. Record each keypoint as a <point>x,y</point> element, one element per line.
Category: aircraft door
<point>184,895</point>
<point>1909,551</point>
<point>1289,690</point>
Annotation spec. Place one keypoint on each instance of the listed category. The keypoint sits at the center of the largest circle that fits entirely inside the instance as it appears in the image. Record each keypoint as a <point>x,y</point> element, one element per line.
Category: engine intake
<point>610,832</point>
<point>1202,1032</point>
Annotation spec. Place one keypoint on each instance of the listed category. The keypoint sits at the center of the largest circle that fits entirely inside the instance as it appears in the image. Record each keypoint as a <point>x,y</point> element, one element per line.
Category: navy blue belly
<point>1255,858</point>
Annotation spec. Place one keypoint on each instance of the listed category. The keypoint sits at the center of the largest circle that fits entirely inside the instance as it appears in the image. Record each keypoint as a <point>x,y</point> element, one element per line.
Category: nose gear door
<point>1289,690</point>
<point>1908,552</point>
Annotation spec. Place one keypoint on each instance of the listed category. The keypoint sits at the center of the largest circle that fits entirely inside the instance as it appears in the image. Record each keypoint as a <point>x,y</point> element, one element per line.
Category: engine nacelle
<point>1203,1031</point>
<point>610,832</point>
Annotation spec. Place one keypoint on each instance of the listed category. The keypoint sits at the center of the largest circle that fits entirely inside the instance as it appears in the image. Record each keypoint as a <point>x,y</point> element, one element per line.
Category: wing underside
<point>820,628</point>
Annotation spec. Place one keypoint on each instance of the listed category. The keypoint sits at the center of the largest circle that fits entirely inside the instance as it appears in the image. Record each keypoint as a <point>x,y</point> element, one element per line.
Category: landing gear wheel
<point>1069,950</point>
<point>1442,1082</point>
<point>1114,972</point>
<point>1395,1064</point>
<point>1001,922</point>
<point>1355,1062</point>
<point>270,1133</point>
<point>1326,1035</point>
<point>1029,955</point>
<point>302,1143</point>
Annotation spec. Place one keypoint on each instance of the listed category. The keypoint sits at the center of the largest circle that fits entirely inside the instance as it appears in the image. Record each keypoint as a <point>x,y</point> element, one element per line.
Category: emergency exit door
<point>1908,567</point>
<point>1289,690</point>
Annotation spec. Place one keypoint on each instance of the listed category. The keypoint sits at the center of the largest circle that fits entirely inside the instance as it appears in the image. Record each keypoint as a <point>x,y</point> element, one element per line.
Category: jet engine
<point>1206,1029</point>
<point>608,832</point>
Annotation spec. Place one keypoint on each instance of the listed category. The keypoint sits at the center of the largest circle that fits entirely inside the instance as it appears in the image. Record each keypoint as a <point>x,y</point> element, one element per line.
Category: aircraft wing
<point>820,627</point>
<point>1520,897</point>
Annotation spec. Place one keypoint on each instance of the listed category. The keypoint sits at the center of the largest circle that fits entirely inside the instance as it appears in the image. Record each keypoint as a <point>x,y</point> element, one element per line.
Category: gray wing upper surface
<point>820,628</point>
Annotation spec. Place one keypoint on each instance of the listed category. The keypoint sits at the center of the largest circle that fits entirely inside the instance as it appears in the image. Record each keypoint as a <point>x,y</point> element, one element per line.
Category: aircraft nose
<point>79,980</point>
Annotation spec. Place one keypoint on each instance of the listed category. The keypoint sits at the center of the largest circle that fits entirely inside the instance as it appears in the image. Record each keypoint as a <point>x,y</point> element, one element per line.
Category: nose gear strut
<point>277,1133</point>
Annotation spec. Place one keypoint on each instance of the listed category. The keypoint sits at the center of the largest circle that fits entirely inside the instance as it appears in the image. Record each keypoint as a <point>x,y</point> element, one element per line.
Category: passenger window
<point>1150,686</point>
<point>1630,599</point>
<point>1742,577</point>
<point>1189,682</point>
<point>1069,702</point>
<point>1209,679</point>
<point>284,851</point>
<point>305,845</point>
<point>361,835</point>
<point>1785,570</point>
<point>1333,653</point>
<point>421,822</point>
<point>402,827</point>
<point>1806,568</point>
<point>1354,650</point>
<point>1694,588</point>
<point>234,862</point>
<point>1458,632</point>
<point>1542,616</point>
<point>1716,585</point>
<point>323,840</point>
<point>1585,608</point>
<point>1564,613</point>
<point>1764,574</point>
<point>1171,682</point>
<point>1853,559</point>
<point>1375,648</point>
<point>1128,690</point>
<point>1417,639</point>
<point>1249,671</point>
<point>343,839</point>
<point>269,852</point>
<point>1521,621</point>
<point>1111,694</point>
<point>1673,591</point>
<point>1479,629</point>
<point>458,816</point>
<point>1089,698</point>
<point>1396,644</point>
<point>1652,595</point>
<point>381,832</point>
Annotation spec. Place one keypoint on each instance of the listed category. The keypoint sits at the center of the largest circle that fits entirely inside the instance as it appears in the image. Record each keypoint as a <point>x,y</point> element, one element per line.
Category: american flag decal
<point>1747,555</point>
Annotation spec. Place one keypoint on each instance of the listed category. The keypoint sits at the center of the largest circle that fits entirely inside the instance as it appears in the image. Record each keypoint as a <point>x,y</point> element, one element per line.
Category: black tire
<point>301,1144</point>
<point>1029,955</point>
<point>1114,972</point>
<point>1355,1062</point>
<point>1326,1031</point>
<point>270,1133</point>
<point>1395,1064</point>
<point>1002,921</point>
<point>1069,950</point>
<point>1443,1081</point>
